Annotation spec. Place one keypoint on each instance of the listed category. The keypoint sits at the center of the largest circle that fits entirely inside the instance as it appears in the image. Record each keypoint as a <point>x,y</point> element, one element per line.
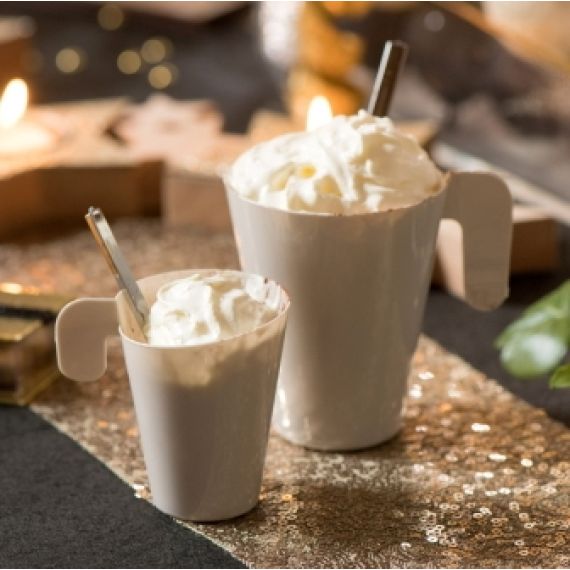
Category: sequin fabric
<point>477,478</point>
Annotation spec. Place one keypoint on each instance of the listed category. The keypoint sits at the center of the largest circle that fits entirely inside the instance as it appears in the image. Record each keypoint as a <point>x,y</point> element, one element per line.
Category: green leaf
<point>538,340</point>
<point>529,355</point>
<point>561,377</point>
<point>549,320</point>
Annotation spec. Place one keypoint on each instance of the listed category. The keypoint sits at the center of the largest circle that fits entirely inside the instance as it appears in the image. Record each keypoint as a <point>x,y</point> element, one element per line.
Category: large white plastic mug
<point>358,284</point>
<point>203,411</point>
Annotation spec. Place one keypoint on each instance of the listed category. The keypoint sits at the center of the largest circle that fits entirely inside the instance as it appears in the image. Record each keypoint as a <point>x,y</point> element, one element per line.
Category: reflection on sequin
<point>132,432</point>
<point>416,391</point>
<point>484,475</point>
<point>498,457</point>
<point>141,491</point>
<point>425,376</point>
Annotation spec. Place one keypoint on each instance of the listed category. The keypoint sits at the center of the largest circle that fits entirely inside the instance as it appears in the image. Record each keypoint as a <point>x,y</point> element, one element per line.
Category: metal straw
<point>392,61</point>
<point>117,264</point>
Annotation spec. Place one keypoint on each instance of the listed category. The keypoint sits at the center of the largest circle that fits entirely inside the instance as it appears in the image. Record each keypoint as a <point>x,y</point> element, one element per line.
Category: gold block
<point>27,350</point>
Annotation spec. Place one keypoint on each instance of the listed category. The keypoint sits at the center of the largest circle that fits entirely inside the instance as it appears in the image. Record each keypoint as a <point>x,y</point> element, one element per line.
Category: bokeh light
<point>129,62</point>
<point>154,50</point>
<point>161,76</point>
<point>110,17</point>
<point>70,60</point>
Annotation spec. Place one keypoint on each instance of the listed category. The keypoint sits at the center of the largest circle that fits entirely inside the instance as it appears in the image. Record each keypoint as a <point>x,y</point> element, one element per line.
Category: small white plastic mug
<point>359,284</point>
<point>203,411</point>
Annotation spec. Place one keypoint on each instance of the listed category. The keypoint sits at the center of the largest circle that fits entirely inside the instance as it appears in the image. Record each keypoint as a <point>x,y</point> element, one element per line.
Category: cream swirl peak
<point>209,307</point>
<point>351,165</point>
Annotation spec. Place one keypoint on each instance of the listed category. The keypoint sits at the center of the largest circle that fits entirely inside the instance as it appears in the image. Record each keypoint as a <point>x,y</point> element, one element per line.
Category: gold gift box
<point>27,349</point>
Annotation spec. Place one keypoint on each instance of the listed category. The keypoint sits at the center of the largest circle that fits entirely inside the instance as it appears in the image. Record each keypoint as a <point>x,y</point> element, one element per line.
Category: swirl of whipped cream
<point>205,308</point>
<point>351,165</point>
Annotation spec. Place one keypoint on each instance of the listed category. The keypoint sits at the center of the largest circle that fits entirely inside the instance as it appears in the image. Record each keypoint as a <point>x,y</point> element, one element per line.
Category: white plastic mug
<point>203,411</point>
<point>358,284</point>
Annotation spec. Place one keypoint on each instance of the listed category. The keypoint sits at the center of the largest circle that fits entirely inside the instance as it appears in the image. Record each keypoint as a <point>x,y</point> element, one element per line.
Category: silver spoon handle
<point>117,263</point>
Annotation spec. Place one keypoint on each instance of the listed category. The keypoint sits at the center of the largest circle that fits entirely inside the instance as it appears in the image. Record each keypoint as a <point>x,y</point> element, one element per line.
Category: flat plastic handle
<point>481,203</point>
<point>81,330</point>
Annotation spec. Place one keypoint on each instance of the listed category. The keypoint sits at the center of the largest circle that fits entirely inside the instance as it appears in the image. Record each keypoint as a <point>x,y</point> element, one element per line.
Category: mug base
<point>205,517</point>
<point>339,444</point>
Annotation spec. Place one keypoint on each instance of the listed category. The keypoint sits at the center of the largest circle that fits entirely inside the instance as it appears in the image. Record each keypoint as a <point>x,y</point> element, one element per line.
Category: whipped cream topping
<point>351,165</point>
<point>209,307</point>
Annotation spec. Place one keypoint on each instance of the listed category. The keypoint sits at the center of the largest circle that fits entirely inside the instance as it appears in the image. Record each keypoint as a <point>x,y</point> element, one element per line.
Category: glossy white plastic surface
<point>358,285</point>
<point>203,411</point>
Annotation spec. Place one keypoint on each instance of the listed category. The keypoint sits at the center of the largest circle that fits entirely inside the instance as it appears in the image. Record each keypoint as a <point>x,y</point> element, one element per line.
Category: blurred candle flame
<point>14,103</point>
<point>319,113</point>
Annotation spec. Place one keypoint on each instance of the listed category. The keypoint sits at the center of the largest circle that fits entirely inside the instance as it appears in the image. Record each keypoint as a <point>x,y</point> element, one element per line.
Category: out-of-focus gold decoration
<point>323,48</point>
<point>343,9</point>
<point>326,58</point>
<point>347,9</point>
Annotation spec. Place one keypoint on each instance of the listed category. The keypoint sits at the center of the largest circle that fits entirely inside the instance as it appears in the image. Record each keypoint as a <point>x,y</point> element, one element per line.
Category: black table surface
<point>60,507</point>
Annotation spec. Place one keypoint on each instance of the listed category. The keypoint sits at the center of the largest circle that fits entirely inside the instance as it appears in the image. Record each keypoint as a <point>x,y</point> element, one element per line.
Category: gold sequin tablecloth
<point>477,478</point>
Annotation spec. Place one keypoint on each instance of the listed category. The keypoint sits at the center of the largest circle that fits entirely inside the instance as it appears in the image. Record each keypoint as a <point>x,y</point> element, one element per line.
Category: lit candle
<point>319,113</point>
<point>20,133</point>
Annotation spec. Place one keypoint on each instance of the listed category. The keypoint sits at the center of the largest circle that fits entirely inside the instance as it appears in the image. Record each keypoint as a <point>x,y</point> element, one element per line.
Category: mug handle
<point>81,330</point>
<point>481,203</point>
